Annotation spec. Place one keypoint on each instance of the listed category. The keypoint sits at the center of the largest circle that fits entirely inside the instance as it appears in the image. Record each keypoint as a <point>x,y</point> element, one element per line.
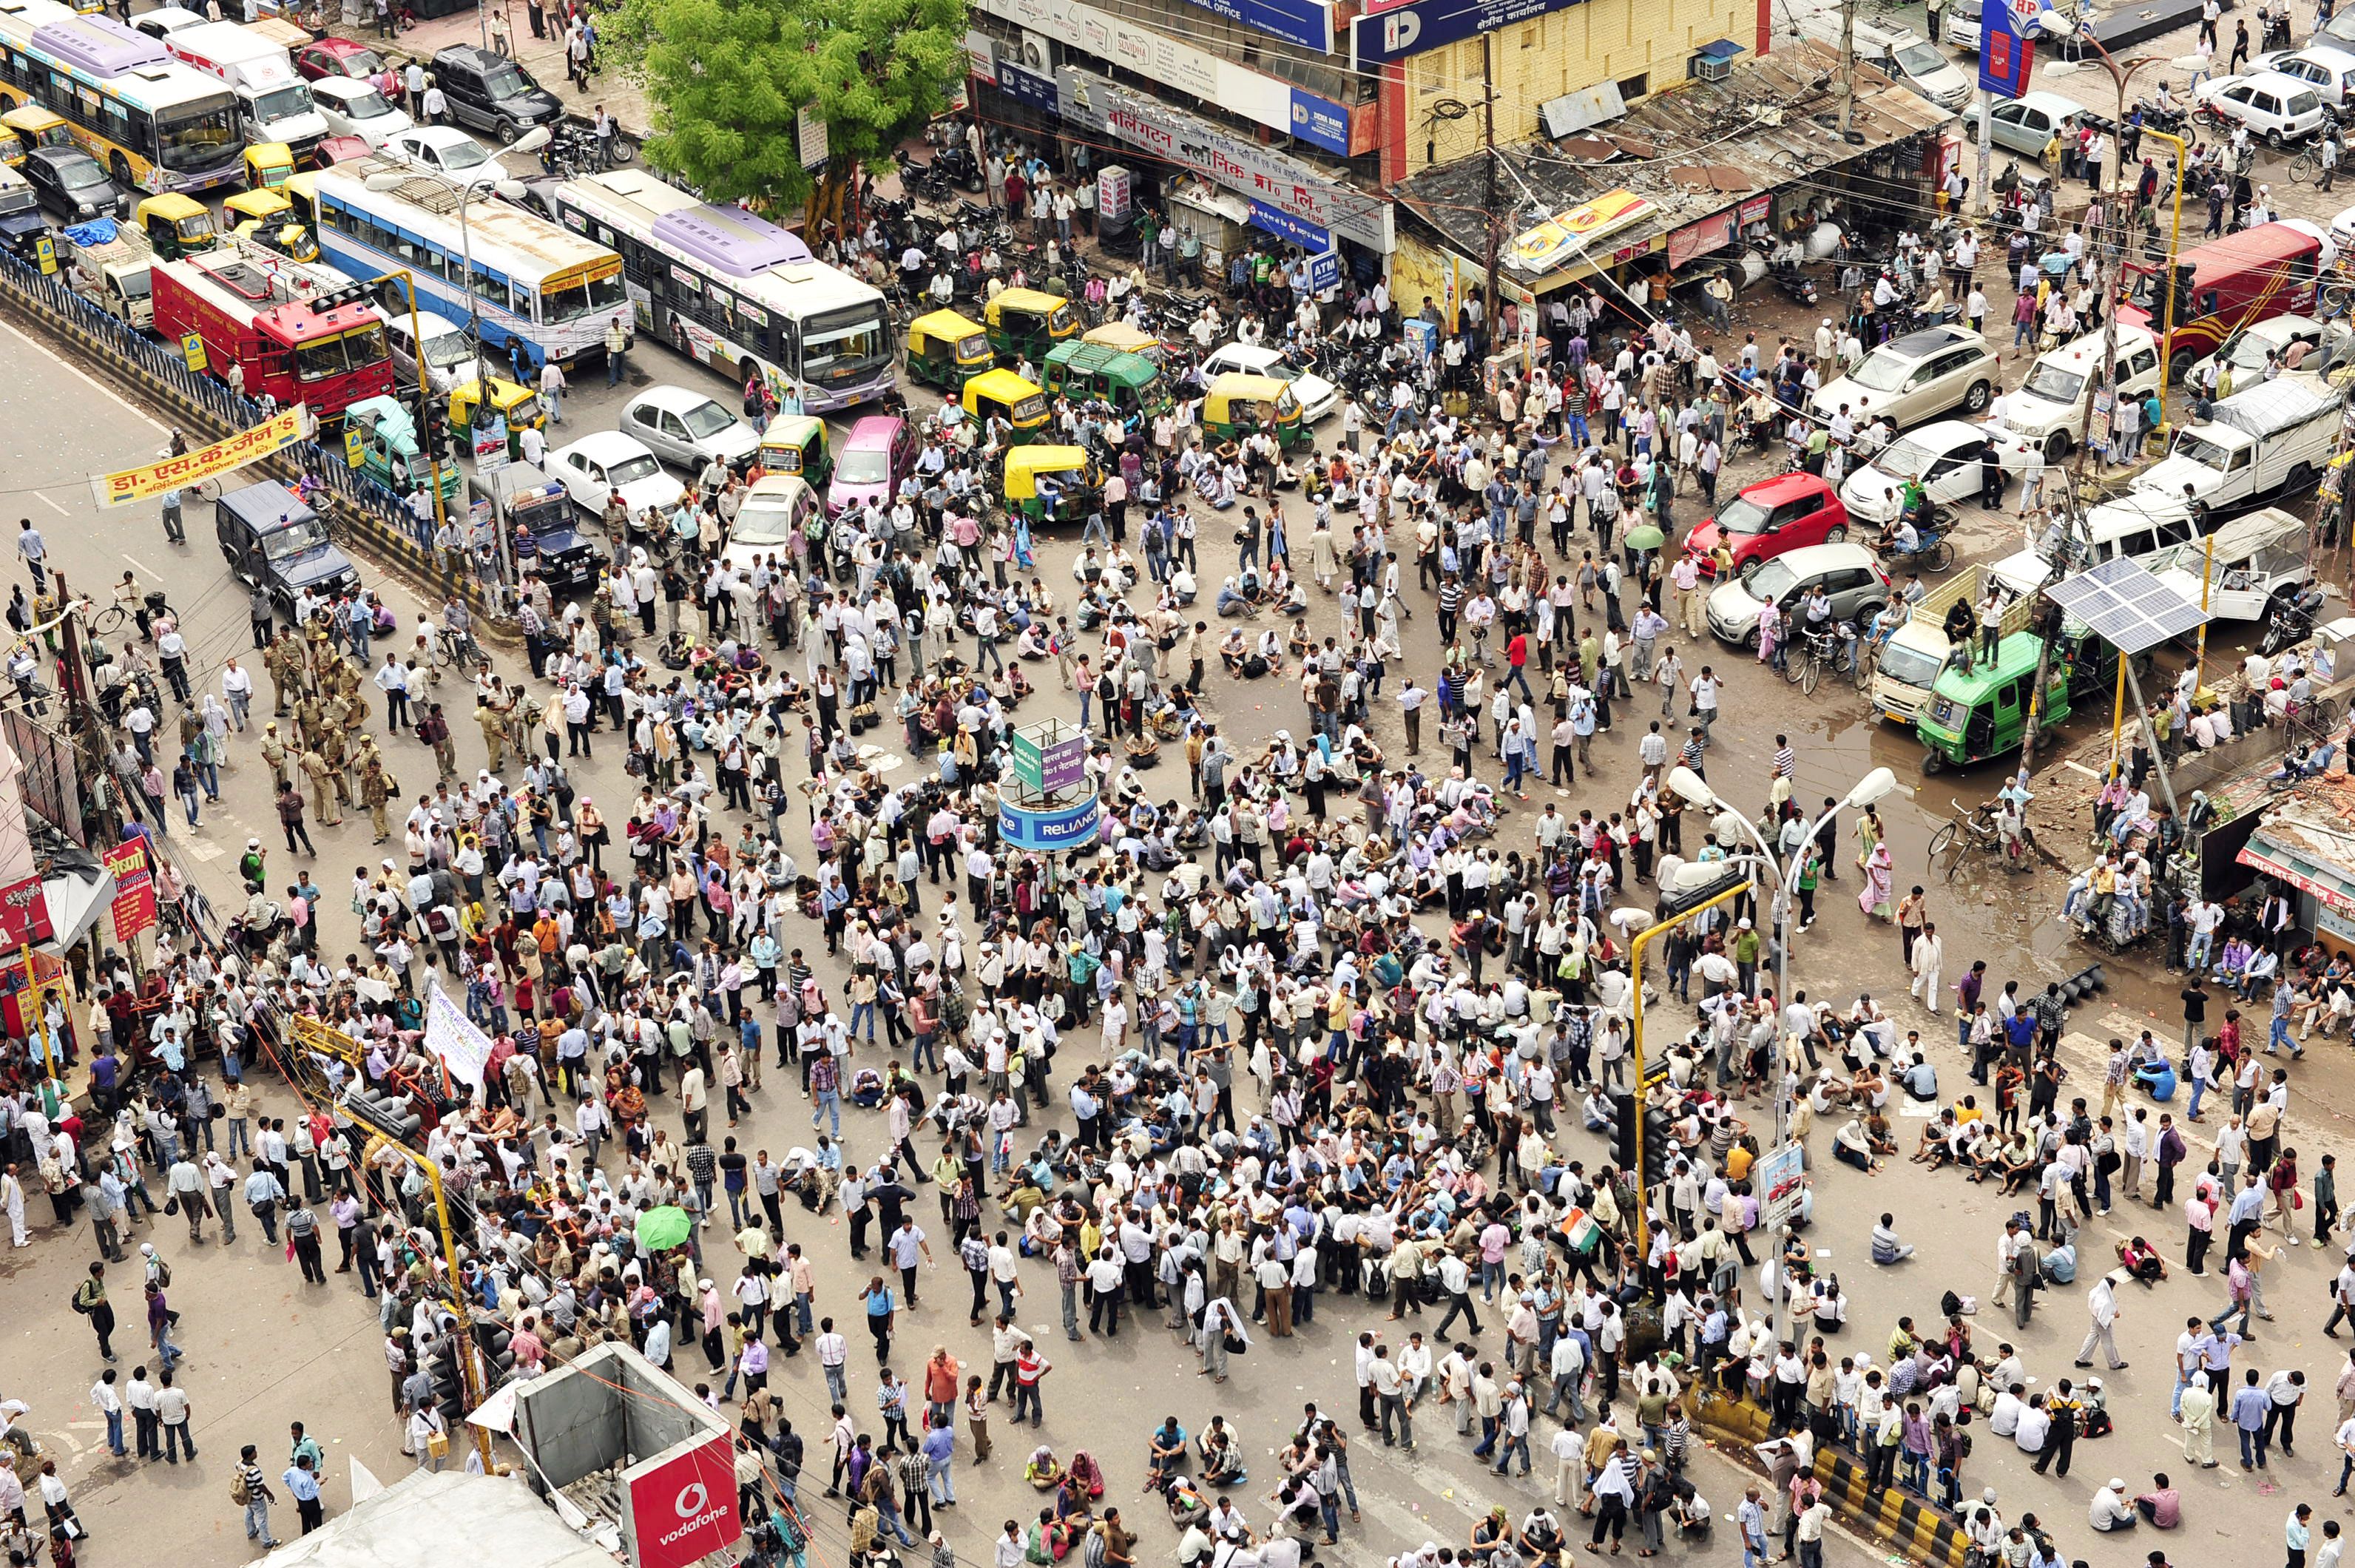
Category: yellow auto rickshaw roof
<point>504,394</point>
<point>1029,462</point>
<point>1120,335</point>
<point>270,154</point>
<point>173,209</point>
<point>1001,385</point>
<point>259,203</point>
<point>1031,299</point>
<point>793,432</point>
<point>942,324</point>
<point>1240,384</point>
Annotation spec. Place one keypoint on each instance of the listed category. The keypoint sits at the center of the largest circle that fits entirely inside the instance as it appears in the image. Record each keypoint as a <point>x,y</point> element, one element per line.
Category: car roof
<point>1786,487</point>
<point>606,445</point>
<point>768,484</point>
<point>341,48</point>
<point>873,430</point>
<point>470,53</point>
<point>342,86</point>
<point>60,155</point>
<point>1946,432</point>
<point>2041,98</point>
<point>1251,354</point>
<point>440,136</point>
<point>1809,559</point>
<point>2275,81</point>
<point>1928,341</point>
<point>677,399</point>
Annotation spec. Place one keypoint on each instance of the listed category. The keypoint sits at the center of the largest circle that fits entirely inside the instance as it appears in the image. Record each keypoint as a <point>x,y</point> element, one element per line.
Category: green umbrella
<point>1646,538</point>
<point>659,1230</point>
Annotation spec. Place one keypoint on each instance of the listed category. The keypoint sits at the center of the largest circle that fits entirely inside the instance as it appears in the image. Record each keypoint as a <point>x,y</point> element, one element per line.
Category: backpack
<point>163,1273</point>
<point>238,1492</point>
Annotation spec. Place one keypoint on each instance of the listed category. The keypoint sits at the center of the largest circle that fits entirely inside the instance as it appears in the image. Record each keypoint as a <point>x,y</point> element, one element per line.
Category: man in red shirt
<point>1517,656</point>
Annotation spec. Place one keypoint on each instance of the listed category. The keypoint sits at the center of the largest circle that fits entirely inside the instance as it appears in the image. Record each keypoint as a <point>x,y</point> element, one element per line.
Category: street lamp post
<point>1695,791</point>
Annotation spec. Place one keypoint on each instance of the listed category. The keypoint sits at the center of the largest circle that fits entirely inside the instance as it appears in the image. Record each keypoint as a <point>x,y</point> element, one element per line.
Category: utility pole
<point>92,764</point>
<point>1495,219</point>
<point>1848,69</point>
<point>1986,150</point>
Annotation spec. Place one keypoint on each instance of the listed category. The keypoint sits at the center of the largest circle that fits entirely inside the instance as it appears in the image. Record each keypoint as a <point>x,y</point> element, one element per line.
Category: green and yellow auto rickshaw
<point>1024,323</point>
<point>1236,405</point>
<point>1069,480</point>
<point>1129,339</point>
<point>795,445</point>
<point>268,165</point>
<point>386,438</point>
<point>1131,383</point>
<point>517,406</point>
<point>945,350</point>
<point>1003,395</point>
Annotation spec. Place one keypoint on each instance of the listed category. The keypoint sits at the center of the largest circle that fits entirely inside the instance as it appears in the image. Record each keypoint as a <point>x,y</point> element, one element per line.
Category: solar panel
<point>2126,606</point>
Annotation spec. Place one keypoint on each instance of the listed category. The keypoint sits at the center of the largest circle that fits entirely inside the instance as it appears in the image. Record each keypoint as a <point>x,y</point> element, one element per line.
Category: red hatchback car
<point>336,56</point>
<point>1762,520</point>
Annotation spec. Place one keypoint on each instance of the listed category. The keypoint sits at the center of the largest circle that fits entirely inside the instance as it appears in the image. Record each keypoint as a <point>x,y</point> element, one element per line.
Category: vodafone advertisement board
<point>683,1509</point>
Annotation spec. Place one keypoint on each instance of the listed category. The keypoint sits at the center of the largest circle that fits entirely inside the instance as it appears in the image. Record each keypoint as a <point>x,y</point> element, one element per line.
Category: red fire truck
<point>327,350</point>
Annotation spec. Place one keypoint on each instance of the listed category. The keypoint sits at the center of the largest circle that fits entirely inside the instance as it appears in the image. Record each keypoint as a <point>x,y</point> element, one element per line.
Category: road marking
<point>52,505</point>
<point>138,563</point>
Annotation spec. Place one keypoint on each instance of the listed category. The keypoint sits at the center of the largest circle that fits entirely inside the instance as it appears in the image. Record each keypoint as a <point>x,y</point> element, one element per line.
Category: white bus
<point>156,124</point>
<point>735,291</point>
<point>532,280</point>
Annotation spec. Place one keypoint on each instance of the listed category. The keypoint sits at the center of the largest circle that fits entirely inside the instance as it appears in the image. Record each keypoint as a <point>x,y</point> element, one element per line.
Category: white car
<point>1961,27</point>
<point>775,505</point>
<point>1913,377</point>
<point>2329,71</point>
<point>1319,397</point>
<point>166,20</point>
<point>1944,455</point>
<point>688,429</point>
<point>445,151</point>
<point>2245,352</point>
<point>353,108</point>
<point>593,468</point>
<point>2277,108</point>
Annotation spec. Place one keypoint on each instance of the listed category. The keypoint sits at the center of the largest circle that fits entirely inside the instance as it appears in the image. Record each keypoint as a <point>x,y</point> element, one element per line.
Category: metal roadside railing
<point>358,508</point>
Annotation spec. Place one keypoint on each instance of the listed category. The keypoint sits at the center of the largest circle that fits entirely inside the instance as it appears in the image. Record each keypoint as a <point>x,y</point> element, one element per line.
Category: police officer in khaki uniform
<point>494,726</point>
<point>274,751</point>
<point>375,790</point>
<point>315,768</point>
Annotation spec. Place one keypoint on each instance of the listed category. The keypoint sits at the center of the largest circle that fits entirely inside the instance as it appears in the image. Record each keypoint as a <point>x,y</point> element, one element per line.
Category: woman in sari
<point>1879,868</point>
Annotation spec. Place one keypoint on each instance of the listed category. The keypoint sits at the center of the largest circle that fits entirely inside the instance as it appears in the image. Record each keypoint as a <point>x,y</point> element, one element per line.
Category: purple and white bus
<point>735,291</point>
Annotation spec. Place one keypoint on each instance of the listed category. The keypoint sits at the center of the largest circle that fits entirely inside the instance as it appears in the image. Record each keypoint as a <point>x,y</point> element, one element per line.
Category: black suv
<point>491,92</point>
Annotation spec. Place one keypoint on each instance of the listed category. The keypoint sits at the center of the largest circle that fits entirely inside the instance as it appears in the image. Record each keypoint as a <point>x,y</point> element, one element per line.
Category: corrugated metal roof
<point>1775,120</point>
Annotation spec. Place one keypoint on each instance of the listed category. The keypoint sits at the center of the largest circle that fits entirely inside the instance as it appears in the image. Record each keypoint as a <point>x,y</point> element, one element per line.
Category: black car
<point>491,92</point>
<point>274,542</point>
<point>71,184</point>
<point>20,214</point>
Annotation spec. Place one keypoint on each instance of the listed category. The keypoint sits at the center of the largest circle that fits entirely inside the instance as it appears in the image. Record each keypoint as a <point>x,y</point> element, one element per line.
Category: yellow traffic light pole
<point>1644,939</point>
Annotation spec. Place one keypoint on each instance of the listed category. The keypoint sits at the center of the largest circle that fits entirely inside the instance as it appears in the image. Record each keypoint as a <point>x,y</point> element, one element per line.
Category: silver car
<point>1913,377</point>
<point>688,429</point>
<point>1846,572</point>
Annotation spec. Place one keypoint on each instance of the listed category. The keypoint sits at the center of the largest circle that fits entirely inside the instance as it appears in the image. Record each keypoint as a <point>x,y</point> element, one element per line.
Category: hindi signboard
<point>134,888</point>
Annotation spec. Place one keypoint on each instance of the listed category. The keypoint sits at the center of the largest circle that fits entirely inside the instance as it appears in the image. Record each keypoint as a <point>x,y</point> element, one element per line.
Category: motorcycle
<point>1795,284</point>
<point>2291,622</point>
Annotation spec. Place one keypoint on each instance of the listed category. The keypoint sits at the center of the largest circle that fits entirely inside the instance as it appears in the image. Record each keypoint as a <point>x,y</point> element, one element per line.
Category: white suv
<point>1913,377</point>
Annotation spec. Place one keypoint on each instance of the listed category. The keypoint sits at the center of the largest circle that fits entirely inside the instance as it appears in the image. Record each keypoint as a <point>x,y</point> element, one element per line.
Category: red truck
<point>327,350</point>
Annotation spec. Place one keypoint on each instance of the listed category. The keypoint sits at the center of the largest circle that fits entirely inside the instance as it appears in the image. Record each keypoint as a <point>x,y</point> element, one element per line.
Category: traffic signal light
<point>1622,1130</point>
<point>1661,1151</point>
<point>449,1383</point>
<point>386,1113</point>
<point>433,427</point>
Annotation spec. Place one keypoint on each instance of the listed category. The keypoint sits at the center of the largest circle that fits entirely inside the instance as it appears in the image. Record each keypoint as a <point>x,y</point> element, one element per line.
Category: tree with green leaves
<point>728,81</point>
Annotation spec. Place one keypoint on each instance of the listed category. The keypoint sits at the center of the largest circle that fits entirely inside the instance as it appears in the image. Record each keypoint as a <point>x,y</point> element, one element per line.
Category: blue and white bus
<point>533,281</point>
<point>735,291</point>
<point>156,124</point>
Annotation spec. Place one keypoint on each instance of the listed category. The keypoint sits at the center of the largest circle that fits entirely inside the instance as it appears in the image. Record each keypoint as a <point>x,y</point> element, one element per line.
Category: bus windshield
<point>838,348</point>
<point>577,298</point>
<point>197,137</point>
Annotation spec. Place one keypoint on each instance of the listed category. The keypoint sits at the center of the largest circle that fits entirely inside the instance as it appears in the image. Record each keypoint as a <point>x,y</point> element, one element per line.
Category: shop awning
<point>2333,888</point>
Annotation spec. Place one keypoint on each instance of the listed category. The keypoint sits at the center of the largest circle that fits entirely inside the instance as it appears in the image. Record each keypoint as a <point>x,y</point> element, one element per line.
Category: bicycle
<point>450,648</point>
<point>112,619</point>
<point>1974,827</point>
<point>1805,667</point>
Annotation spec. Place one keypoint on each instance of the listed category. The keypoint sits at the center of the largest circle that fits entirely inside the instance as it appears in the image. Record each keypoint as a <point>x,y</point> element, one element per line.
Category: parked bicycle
<point>1975,827</point>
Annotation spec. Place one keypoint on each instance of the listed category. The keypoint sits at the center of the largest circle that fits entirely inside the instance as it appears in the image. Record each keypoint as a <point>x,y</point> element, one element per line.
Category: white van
<point>449,353</point>
<point>2049,405</point>
<point>1903,55</point>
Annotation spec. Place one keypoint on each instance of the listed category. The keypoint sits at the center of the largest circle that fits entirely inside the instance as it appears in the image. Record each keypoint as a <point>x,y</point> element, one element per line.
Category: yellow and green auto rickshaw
<point>388,453</point>
<point>945,350</point>
<point>268,220</point>
<point>1129,339</point>
<point>1131,383</point>
<point>1236,405</point>
<point>1024,323</point>
<point>518,406</point>
<point>177,226</point>
<point>796,444</point>
<point>12,148</point>
<point>1002,394</point>
<point>33,126</point>
<point>268,165</point>
<point>1068,479</point>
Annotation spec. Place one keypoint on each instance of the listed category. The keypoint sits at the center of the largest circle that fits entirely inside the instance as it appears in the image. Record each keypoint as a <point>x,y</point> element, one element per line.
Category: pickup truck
<point>2277,434</point>
<point>1910,661</point>
<point>110,272</point>
<point>2245,566</point>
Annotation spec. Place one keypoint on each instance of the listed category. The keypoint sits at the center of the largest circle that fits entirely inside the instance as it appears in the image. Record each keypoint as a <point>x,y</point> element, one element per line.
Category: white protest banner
<point>463,1049</point>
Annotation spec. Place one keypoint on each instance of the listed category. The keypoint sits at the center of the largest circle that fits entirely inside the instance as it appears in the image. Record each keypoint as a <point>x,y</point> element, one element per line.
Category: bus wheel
<point>120,167</point>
